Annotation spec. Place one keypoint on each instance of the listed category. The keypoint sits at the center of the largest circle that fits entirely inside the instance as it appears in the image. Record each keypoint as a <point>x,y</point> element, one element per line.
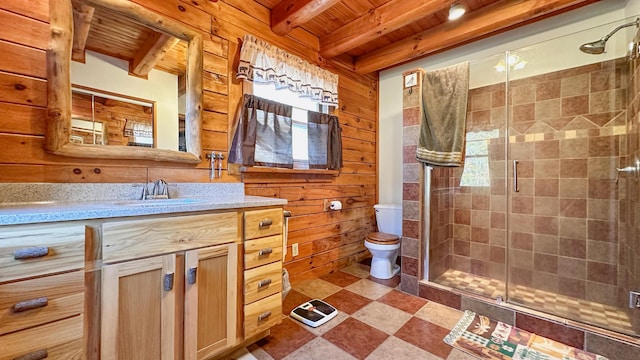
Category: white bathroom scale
<point>314,313</point>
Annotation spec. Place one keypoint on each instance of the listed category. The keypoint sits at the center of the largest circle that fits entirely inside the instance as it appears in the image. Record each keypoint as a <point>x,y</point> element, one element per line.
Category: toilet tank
<point>389,218</point>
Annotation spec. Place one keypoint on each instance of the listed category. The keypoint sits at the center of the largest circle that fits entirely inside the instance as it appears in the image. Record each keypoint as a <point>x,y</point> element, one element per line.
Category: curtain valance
<point>263,62</point>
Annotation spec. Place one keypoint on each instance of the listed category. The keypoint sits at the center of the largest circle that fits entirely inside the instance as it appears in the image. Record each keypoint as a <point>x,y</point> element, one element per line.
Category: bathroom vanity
<point>183,278</point>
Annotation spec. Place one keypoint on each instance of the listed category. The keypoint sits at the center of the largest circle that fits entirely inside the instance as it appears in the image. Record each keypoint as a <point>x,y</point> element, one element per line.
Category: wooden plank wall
<point>327,240</point>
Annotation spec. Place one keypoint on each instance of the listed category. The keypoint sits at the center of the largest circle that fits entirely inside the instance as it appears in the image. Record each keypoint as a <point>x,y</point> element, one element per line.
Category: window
<point>281,124</point>
<point>299,118</point>
<point>476,162</point>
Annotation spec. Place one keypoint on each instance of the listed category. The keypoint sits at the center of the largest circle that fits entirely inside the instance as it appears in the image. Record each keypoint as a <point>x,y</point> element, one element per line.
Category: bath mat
<point>489,339</point>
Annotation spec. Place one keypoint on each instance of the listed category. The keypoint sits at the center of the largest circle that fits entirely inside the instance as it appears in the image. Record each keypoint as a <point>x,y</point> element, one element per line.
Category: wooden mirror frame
<point>58,129</point>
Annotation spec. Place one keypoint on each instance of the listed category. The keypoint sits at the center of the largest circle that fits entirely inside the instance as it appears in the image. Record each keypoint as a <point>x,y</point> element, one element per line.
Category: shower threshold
<point>589,312</point>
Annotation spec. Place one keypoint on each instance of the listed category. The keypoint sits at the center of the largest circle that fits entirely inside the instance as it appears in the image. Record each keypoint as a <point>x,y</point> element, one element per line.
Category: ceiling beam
<point>378,22</point>
<point>152,51</point>
<point>291,13</point>
<point>82,15</point>
<point>485,21</point>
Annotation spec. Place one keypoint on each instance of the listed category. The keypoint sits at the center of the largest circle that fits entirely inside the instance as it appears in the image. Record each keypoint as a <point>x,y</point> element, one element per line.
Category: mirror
<point>123,83</point>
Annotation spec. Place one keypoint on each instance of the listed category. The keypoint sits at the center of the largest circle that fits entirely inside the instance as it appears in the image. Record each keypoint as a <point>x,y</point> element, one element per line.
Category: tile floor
<point>375,321</point>
<point>576,309</point>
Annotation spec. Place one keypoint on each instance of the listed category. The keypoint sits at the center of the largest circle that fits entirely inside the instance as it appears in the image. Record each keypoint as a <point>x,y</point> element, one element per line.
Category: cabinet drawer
<point>262,251</point>
<point>262,281</point>
<point>262,314</point>
<point>58,340</point>
<point>28,303</point>
<point>259,223</point>
<point>124,240</point>
<point>39,250</point>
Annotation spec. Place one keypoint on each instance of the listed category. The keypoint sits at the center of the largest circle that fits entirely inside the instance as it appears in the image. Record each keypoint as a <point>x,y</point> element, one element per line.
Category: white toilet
<point>385,243</point>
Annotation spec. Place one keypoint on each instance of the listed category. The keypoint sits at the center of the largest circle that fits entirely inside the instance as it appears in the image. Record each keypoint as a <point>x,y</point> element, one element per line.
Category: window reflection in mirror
<point>129,69</point>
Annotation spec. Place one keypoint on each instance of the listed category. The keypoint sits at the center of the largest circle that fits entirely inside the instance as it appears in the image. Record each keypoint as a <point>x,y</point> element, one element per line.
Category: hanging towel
<point>444,114</point>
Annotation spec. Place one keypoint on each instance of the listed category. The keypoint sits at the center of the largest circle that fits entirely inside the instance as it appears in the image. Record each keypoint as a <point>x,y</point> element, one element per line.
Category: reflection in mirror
<point>124,121</point>
<point>137,83</point>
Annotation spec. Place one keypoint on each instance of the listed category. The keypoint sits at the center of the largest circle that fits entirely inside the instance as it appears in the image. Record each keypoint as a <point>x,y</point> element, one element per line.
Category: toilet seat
<point>381,238</point>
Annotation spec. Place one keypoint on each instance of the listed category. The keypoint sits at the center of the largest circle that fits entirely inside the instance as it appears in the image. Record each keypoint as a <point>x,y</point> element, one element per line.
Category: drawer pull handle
<point>36,355</point>
<point>264,283</point>
<point>168,282</point>
<point>264,315</point>
<point>30,304</point>
<point>265,223</point>
<point>192,275</point>
<point>266,251</point>
<point>30,253</point>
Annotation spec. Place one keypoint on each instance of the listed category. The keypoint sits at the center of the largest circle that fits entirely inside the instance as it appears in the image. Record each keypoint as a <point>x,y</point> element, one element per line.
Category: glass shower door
<point>567,136</point>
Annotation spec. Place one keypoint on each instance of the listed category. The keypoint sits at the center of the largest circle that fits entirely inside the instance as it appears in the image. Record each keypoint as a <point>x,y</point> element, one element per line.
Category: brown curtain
<point>263,134</point>
<point>325,141</point>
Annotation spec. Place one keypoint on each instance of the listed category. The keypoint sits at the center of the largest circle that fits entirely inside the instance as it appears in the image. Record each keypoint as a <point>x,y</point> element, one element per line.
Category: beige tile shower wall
<point>630,201</point>
<point>411,246</point>
<point>479,219</point>
<point>567,132</point>
<point>440,214</point>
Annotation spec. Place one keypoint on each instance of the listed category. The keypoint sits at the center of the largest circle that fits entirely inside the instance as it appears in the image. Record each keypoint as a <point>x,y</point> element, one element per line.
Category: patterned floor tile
<point>340,278</point>
<point>369,289</point>
<point>394,282</point>
<point>426,336</point>
<point>319,349</point>
<point>259,352</point>
<point>345,300</point>
<point>316,288</point>
<point>285,339</point>
<point>577,309</point>
<point>459,355</point>
<point>396,349</point>
<point>359,270</point>
<point>356,337</point>
<point>402,301</point>
<point>439,314</point>
<point>382,316</point>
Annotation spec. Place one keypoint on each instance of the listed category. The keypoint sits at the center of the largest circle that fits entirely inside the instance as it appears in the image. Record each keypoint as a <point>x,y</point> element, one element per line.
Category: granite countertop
<point>42,209</point>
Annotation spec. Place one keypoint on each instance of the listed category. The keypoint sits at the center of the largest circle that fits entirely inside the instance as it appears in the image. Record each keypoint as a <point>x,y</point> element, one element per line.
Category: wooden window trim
<point>259,174</point>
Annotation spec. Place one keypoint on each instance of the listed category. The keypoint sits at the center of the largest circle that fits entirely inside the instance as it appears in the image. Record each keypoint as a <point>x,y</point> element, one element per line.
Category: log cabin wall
<point>327,240</point>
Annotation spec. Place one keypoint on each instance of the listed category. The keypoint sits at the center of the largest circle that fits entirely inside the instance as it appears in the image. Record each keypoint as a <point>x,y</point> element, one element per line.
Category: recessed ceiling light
<point>456,11</point>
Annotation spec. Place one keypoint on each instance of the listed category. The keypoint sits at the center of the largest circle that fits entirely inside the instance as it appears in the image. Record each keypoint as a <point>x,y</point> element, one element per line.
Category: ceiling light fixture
<point>456,11</point>
<point>515,62</point>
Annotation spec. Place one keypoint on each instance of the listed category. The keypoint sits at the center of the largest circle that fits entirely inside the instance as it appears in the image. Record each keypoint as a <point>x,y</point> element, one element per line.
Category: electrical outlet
<point>634,299</point>
<point>294,249</point>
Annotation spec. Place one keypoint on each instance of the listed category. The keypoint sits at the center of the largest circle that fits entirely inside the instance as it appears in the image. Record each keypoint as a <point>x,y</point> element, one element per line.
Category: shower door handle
<point>515,176</point>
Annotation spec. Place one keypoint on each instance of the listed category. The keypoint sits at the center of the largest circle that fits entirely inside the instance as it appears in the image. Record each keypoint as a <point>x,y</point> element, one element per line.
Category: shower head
<point>597,47</point>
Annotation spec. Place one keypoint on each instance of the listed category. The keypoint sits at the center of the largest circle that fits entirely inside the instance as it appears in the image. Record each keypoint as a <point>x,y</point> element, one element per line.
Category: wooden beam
<point>152,51</point>
<point>374,24</point>
<point>82,15</point>
<point>291,13</point>
<point>489,20</point>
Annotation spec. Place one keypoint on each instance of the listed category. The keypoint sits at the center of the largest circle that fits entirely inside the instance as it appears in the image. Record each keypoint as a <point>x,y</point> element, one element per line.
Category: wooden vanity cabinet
<point>42,291</point>
<point>263,249</point>
<point>169,287</point>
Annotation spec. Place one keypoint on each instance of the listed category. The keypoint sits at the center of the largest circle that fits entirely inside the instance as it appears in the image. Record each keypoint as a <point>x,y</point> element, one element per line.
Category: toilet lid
<point>383,238</point>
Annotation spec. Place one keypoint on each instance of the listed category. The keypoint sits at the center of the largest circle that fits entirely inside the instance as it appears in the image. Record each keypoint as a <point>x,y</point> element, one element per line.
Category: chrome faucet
<point>159,190</point>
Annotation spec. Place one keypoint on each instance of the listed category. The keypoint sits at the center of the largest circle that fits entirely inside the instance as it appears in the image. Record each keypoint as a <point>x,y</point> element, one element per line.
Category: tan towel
<point>444,115</point>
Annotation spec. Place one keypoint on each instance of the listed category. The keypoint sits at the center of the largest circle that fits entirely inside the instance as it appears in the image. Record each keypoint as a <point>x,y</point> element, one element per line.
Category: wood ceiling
<point>371,35</point>
<point>116,36</point>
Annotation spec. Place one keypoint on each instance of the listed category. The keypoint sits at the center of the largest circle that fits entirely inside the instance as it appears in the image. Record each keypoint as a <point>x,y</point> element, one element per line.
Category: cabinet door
<point>138,309</point>
<point>211,285</point>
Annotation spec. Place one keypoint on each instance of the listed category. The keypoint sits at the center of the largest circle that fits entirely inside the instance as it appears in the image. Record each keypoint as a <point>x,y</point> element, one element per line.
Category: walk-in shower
<point>538,215</point>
